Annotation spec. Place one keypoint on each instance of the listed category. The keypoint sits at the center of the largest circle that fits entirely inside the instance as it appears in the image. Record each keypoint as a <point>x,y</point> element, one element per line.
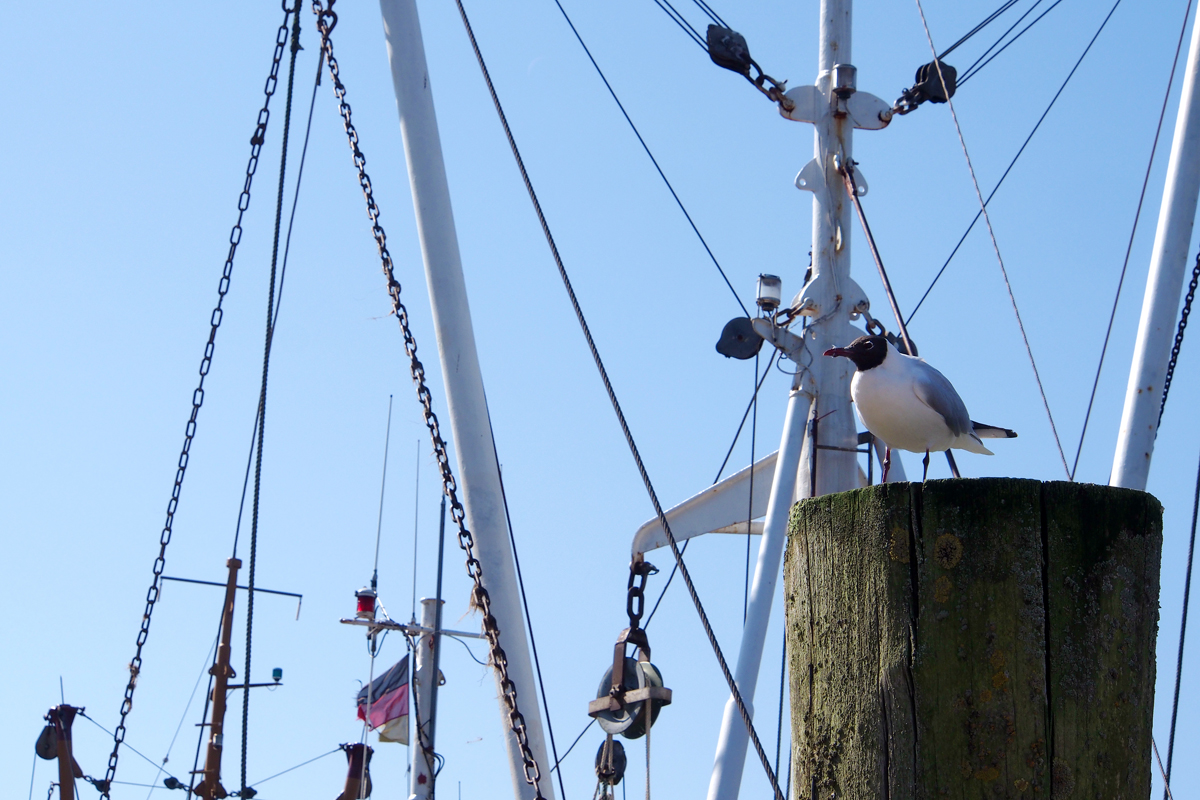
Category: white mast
<point>1168,263</point>
<point>424,689</point>
<point>820,397</point>
<point>478,472</point>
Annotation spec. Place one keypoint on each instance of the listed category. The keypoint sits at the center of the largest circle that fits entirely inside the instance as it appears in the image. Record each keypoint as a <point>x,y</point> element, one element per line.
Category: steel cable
<point>1187,590</point>
<point>646,147</point>
<point>1007,170</point>
<point>712,639</point>
<point>996,247</point>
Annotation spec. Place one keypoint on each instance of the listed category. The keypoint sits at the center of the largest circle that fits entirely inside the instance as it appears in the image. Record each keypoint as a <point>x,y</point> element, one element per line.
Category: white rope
<point>995,246</point>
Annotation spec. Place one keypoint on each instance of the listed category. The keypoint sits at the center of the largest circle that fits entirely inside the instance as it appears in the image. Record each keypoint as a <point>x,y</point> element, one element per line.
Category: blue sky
<point>124,150</point>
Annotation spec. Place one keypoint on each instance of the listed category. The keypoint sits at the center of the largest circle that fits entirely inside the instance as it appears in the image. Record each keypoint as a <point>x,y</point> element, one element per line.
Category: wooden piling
<point>989,638</point>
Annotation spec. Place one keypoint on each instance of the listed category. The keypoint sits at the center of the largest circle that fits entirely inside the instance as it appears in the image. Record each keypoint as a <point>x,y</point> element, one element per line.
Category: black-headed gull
<point>909,404</point>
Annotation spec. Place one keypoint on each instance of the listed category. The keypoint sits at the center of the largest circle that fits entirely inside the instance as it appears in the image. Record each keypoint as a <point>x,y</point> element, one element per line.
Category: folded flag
<point>389,703</point>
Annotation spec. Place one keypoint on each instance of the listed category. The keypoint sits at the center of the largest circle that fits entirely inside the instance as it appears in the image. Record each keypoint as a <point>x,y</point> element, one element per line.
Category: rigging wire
<point>683,24</point>
<point>1132,233</point>
<point>586,727</point>
<point>203,669</point>
<point>750,501</point>
<point>537,664</point>
<point>728,453</point>
<point>298,766</point>
<point>470,652</point>
<point>782,681</point>
<point>712,639</point>
<point>646,147</point>
<point>995,246</point>
<point>986,21</point>
<point>262,396</point>
<point>974,69</point>
<point>1007,170</point>
<point>980,62</point>
<point>707,9</point>
<point>138,753</point>
<point>1187,590</point>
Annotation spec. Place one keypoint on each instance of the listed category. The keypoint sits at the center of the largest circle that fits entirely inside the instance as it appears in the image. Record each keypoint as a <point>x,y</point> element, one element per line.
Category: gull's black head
<point>867,352</point>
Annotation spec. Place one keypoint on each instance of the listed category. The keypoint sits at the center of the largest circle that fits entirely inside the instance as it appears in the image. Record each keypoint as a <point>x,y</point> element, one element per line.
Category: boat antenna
<point>416,518</point>
<point>387,438</point>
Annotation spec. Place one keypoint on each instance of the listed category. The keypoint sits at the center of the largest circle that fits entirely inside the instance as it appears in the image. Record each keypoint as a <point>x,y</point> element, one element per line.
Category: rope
<point>996,247</point>
<point>645,147</point>
<point>712,639</point>
<point>1187,590</point>
<point>852,190</point>
<point>262,396</point>
<point>1129,247</point>
<point>1166,783</point>
<point>1007,170</point>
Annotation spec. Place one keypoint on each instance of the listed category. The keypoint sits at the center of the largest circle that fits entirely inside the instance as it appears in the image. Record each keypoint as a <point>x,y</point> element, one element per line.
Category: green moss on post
<point>973,639</point>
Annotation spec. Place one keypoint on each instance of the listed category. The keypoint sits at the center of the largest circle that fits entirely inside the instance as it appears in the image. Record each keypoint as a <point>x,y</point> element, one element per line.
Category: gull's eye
<point>870,345</point>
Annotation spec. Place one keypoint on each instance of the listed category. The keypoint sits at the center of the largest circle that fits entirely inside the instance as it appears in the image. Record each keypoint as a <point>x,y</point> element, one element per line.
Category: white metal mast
<point>479,474</point>
<point>1168,263</point>
<point>820,397</point>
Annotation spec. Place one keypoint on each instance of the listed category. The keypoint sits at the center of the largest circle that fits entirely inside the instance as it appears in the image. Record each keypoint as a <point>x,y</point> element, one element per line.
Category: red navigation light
<point>366,603</point>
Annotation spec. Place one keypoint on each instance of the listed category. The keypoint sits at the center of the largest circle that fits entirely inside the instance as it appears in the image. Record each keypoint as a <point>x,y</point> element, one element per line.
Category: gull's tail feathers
<point>991,431</point>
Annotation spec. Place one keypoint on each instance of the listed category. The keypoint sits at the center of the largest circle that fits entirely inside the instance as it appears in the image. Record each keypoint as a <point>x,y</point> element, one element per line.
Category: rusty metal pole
<point>358,772</point>
<point>62,717</point>
<point>210,787</point>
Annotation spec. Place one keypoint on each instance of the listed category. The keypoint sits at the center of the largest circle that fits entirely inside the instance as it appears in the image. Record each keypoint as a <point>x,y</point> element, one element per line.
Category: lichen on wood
<point>973,639</point>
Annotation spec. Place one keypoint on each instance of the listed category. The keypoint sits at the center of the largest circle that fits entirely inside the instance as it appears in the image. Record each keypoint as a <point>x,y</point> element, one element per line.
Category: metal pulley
<point>610,762</point>
<point>624,712</point>
<point>728,49</point>
<point>631,687</point>
<point>928,86</point>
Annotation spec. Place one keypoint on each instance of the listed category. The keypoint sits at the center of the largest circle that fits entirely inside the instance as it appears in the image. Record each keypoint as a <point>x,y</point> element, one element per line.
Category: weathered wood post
<point>988,638</point>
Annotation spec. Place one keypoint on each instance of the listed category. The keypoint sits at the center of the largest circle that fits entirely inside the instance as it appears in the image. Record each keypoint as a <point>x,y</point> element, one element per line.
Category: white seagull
<point>909,404</point>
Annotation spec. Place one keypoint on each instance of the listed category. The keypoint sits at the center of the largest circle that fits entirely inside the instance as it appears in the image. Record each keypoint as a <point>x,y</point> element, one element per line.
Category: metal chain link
<point>326,21</point>
<point>1183,321</point>
<point>235,237</point>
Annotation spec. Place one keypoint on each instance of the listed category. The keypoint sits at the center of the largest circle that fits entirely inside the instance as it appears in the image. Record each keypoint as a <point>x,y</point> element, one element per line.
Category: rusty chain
<point>235,237</point>
<point>326,21</point>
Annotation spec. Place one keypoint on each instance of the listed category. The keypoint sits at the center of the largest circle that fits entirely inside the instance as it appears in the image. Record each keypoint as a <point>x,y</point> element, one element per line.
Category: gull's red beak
<point>838,351</point>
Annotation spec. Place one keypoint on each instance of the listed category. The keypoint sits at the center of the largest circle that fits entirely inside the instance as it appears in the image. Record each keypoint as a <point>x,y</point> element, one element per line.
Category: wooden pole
<point>973,638</point>
<point>210,787</point>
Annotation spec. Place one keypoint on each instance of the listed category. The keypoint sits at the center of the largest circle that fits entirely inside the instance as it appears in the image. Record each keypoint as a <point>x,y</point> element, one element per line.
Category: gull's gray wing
<point>932,389</point>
